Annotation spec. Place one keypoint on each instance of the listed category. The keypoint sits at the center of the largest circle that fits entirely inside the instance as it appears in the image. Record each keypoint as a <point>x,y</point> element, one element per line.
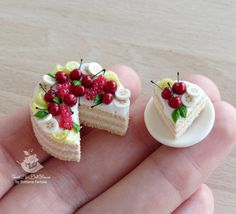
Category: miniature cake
<point>179,103</point>
<point>77,93</point>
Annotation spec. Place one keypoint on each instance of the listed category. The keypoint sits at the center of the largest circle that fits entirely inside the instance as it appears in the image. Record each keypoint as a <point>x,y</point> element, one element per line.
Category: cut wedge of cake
<point>74,94</point>
<point>179,104</point>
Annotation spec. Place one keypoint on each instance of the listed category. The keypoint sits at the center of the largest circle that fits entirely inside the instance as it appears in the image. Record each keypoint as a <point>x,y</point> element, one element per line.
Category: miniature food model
<point>74,94</point>
<point>179,103</point>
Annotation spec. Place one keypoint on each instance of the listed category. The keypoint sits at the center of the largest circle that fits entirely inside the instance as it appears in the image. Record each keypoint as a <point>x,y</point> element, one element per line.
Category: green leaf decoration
<point>76,82</point>
<point>76,127</point>
<point>41,114</point>
<point>175,115</point>
<point>183,111</point>
<point>51,74</point>
<point>97,99</point>
<point>57,100</point>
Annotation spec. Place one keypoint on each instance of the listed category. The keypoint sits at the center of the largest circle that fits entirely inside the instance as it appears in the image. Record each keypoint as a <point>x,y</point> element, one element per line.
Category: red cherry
<point>87,81</point>
<point>76,74</point>
<point>66,123</point>
<point>97,90</point>
<point>65,111</point>
<point>70,99</point>
<point>93,92</point>
<point>78,90</point>
<point>107,98</point>
<point>54,109</point>
<point>175,102</point>
<point>179,88</point>
<point>99,82</point>
<point>65,85</point>
<point>62,93</point>
<point>110,87</point>
<point>61,77</point>
<point>68,85</point>
<point>50,95</point>
<point>88,96</point>
<point>166,93</point>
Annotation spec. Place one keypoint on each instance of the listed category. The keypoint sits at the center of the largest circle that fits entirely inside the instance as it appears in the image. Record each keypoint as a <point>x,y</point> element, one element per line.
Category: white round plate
<point>200,128</point>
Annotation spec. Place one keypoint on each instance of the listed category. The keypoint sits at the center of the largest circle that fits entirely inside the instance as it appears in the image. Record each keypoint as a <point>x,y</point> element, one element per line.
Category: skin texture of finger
<point>103,163</point>
<point>104,160</point>
<point>16,134</point>
<point>201,201</point>
<point>169,176</point>
<point>16,137</point>
<point>71,183</point>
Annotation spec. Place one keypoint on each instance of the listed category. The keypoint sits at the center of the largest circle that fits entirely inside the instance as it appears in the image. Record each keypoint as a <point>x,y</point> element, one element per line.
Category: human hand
<point>130,174</point>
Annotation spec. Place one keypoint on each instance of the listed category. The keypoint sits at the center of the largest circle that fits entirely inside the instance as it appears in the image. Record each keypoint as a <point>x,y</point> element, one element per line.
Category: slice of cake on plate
<point>73,94</point>
<point>179,103</point>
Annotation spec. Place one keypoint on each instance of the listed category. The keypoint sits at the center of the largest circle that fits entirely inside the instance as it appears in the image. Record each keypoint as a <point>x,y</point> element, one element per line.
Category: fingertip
<point>202,201</point>
<point>129,79</point>
<point>206,84</point>
<point>207,197</point>
<point>225,121</point>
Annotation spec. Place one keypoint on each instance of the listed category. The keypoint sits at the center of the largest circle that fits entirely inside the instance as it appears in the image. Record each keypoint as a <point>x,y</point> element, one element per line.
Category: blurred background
<point>157,38</point>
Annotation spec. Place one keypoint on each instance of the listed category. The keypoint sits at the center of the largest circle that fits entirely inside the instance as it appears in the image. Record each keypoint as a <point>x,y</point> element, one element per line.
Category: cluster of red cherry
<point>169,93</point>
<point>69,87</point>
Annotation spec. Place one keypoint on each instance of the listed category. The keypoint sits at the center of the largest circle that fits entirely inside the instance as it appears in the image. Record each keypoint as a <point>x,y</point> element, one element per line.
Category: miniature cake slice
<point>179,104</point>
<point>74,94</point>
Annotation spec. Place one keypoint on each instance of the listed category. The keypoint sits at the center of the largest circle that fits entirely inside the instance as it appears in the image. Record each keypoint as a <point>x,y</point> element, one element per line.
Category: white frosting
<point>112,108</point>
<point>168,110</point>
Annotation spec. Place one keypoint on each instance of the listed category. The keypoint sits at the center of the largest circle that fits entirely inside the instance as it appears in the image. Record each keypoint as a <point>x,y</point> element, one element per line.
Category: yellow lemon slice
<point>71,137</point>
<point>70,66</point>
<point>60,68</point>
<point>34,106</point>
<point>110,75</point>
<point>164,83</point>
<point>40,100</point>
<point>60,136</point>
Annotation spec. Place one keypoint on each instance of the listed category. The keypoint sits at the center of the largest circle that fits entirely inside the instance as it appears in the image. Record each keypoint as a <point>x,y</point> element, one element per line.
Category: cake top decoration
<point>77,93</point>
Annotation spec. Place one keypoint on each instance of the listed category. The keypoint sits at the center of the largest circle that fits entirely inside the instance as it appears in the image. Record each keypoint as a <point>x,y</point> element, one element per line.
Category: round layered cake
<point>75,94</point>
